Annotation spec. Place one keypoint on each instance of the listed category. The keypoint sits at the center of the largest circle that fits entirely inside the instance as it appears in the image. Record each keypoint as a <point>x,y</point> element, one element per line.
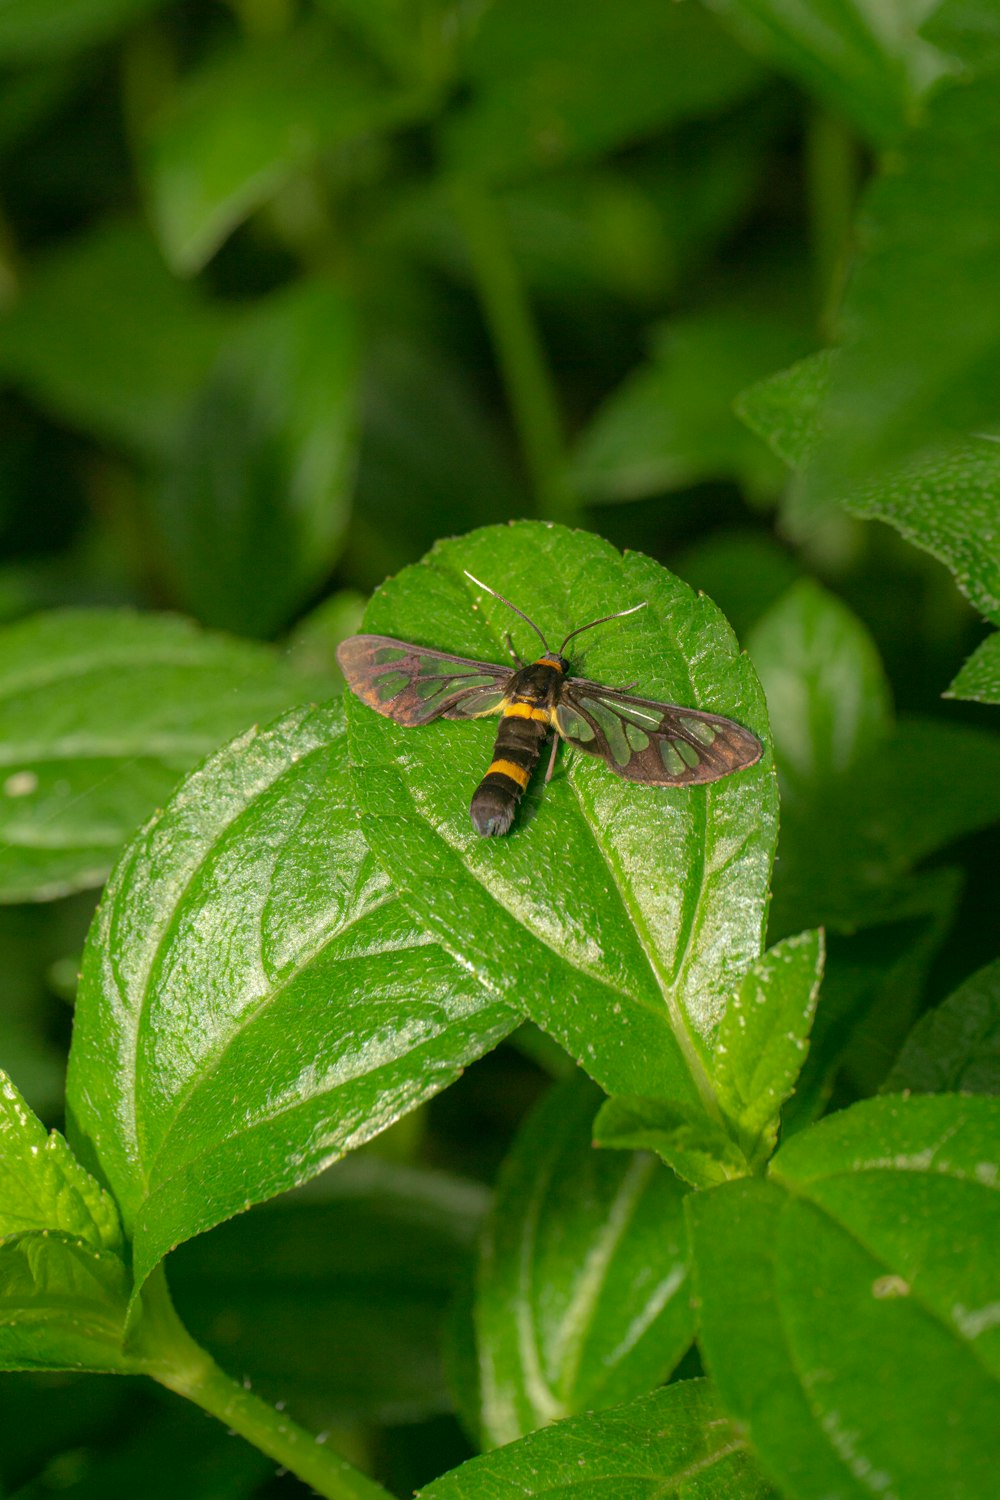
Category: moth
<point>656,744</point>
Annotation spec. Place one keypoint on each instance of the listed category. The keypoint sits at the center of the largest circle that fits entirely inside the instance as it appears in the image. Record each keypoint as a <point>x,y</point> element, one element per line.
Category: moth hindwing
<point>414,685</point>
<point>657,744</point>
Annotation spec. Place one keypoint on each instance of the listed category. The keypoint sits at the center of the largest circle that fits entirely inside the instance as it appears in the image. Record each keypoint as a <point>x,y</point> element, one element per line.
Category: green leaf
<point>566,80</point>
<point>621,917</point>
<point>745,571</point>
<point>673,1445</point>
<point>671,424</point>
<point>843,1330</point>
<point>581,1295</point>
<point>255,1002</point>
<point>334,1300</point>
<point>827,695</point>
<point>956,1047</point>
<point>920,355</point>
<point>100,714</point>
<point>92,314</point>
<point>784,409</point>
<point>699,1151</point>
<point>43,1186</point>
<point>967,29</point>
<point>255,502</point>
<point>249,121</point>
<point>62,1306</point>
<point>979,679</point>
<point>764,1037</point>
<point>42,28</point>
<point>866,60</point>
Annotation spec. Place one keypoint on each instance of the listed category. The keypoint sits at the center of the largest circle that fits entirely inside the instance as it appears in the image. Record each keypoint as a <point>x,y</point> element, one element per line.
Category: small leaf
<point>700,1152</point>
<point>979,679</point>
<point>844,1332</point>
<point>672,1445</point>
<point>255,502</point>
<point>784,409</point>
<point>251,119</point>
<point>43,1186</point>
<point>101,712</point>
<point>620,916</point>
<point>867,60</point>
<point>334,1299</point>
<point>573,80</point>
<point>764,1037</point>
<point>255,1002</point>
<point>827,695</point>
<point>671,423</point>
<point>62,1306</point>
<point>956,1047</point>
<point>581,1296</point>
<point>92,314</point>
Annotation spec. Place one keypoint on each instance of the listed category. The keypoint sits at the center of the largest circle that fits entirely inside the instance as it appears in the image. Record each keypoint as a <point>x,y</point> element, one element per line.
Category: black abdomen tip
<point>492,811</point>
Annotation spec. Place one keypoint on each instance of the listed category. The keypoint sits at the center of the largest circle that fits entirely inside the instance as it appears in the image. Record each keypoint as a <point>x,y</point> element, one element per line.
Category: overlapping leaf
<point>255,1001</point>
<point>620,917</point>
<point>956,1046</point>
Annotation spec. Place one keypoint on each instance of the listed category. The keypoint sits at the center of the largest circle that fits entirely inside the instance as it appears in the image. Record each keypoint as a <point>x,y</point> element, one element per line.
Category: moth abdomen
<point>515,755</point>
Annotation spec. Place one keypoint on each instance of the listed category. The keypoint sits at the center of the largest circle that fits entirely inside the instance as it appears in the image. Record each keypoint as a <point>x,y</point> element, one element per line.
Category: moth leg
<point>510,648</point>
<point>552,759</point>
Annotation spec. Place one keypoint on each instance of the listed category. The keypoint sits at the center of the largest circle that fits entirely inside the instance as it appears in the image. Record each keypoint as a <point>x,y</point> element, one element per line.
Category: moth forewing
<point>414,685</point>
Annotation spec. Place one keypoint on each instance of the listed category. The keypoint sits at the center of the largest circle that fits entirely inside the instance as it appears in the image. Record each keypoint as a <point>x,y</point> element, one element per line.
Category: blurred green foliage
<point>290,289</point>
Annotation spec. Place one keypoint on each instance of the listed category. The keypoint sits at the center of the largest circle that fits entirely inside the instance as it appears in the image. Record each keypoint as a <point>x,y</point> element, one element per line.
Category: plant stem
<point>519,352</point>
<point>162,1348</point>
<point>832,178</point>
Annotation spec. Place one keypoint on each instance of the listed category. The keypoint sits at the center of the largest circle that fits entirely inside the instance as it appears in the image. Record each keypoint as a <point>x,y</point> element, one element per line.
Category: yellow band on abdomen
<point>525,711</point>
<point>510,768</point>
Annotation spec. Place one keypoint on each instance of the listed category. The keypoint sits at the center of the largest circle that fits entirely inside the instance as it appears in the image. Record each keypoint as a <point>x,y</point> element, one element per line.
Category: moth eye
<point>386,654</point>
<point>702,732</point>
<point>574,726</point>
<point>636,737</point>
<point>389,685</point>
<point>672,763</point>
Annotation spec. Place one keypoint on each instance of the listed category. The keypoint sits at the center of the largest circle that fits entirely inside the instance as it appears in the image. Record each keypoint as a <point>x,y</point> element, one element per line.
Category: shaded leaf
<point>41,28</point>
<point>581,1294</point>
<point>840,1325</point>
<point>334,1300</point>
<point>62,1306</point>
<point>956,1046</point>
<point>673,1445</point>
<point>100,713</point>
<point>255,1002</point>
<point>979,679</point>
<point>256,498</point>
<point>620,916</point>
<point>764,1037</point>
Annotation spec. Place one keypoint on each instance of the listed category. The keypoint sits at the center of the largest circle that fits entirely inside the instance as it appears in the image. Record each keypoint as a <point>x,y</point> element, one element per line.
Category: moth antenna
<point>602,621</point>
<point>481,585</point>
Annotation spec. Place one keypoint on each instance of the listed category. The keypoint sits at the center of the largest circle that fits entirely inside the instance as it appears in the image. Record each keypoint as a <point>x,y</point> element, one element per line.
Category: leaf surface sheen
<point>620,917</point>
<point>255,1001</point>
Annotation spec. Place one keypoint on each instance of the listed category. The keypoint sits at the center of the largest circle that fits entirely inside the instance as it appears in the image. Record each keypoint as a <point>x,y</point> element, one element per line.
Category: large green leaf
<point>620,917</point>
<point>582,1298</point>
<point>256,497</point>
<point>673,1445</point>
<point>569,80</point>
<point>866,59</point>
<point>955,1047</point>
<point>243,125</point>
<point>848,1305</point>
<point>100,714</point>
<point>255,1001</point>
<point>919,361</point>
<point>334,1299</point>
<point>94,313</point>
